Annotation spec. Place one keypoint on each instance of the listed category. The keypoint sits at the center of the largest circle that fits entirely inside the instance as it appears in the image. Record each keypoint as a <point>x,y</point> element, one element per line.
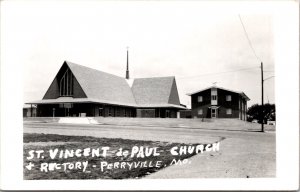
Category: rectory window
<point>200,98</point>
<point>228,111</point>
<point>200,112</point>
<point>228,97</point>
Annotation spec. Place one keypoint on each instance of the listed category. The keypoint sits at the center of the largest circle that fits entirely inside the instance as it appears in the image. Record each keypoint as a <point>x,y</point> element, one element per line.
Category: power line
<point>268,71</point>
<point>207,74</point>
<point>262,74</point>
<point>269,78</point>
<point>249,39</point>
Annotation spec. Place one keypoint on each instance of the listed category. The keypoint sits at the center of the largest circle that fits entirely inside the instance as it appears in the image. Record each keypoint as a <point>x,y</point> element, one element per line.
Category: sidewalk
<point>208,124</point>
<point>237,158</point>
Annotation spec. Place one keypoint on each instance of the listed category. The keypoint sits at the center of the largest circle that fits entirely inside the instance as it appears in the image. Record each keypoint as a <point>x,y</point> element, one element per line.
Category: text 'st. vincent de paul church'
<point>81,91</point>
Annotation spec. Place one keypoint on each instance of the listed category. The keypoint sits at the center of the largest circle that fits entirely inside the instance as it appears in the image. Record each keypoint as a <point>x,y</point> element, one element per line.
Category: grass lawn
<point>51,141</point>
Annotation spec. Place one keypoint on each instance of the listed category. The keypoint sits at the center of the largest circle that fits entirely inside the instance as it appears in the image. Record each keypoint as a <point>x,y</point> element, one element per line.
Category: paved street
<point>243,152</point>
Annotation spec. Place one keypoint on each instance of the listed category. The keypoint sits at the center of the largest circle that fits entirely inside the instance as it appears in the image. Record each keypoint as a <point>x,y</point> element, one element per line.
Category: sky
<point>198,43</point>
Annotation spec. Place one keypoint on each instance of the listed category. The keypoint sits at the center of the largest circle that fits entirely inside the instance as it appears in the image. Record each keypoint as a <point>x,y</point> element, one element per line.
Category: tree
<point>255,112</point>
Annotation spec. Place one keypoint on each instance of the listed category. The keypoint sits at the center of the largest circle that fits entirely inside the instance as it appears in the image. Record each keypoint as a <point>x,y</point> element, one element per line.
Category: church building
<point>81,91</point>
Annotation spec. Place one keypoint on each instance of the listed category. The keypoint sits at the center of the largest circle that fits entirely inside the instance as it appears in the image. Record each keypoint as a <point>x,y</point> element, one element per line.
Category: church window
<point>66,84</point>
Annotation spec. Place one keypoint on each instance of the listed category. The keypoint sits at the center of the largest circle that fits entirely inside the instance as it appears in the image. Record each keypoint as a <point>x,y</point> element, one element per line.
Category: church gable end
<point>78,92</point>
<point>53,90</point>
<point>174,97</point>
<point>64,85</point>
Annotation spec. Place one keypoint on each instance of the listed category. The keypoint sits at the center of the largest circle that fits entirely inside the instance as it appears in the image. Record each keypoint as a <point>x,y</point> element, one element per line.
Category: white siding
<point>214,96</point>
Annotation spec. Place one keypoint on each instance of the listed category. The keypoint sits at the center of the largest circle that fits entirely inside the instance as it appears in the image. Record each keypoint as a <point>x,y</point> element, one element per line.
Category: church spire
<point>127,69</point>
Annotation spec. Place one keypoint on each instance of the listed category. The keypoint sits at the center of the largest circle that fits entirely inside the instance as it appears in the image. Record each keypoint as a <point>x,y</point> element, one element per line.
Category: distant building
<point>185,113</point>
<point>217,102</point>
<point>81,91</point>
<point>29,111</point>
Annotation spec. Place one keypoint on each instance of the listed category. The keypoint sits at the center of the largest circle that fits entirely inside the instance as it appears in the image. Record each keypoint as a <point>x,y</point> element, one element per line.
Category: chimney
<point>127,69</point>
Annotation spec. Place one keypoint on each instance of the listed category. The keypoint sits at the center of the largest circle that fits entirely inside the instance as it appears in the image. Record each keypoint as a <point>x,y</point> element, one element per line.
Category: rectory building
<point>218,102</point>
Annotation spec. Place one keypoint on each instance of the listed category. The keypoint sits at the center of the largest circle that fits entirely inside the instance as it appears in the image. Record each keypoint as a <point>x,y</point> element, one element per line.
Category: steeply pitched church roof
<point>155,91</point>
<point>101,87</point>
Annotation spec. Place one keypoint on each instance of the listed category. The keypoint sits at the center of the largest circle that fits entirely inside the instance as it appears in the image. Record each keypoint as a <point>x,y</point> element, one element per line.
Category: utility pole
<point>262,98</point>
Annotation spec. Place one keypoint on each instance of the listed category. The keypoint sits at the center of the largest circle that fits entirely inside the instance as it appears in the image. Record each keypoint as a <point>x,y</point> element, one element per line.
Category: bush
<point>257,111</point>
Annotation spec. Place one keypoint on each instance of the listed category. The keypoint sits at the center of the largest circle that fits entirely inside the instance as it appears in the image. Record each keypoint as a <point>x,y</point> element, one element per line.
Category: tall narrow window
<point>110,111</point>
<point>66,84</point>
<point>167,113</point>
<point>213,97</point>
